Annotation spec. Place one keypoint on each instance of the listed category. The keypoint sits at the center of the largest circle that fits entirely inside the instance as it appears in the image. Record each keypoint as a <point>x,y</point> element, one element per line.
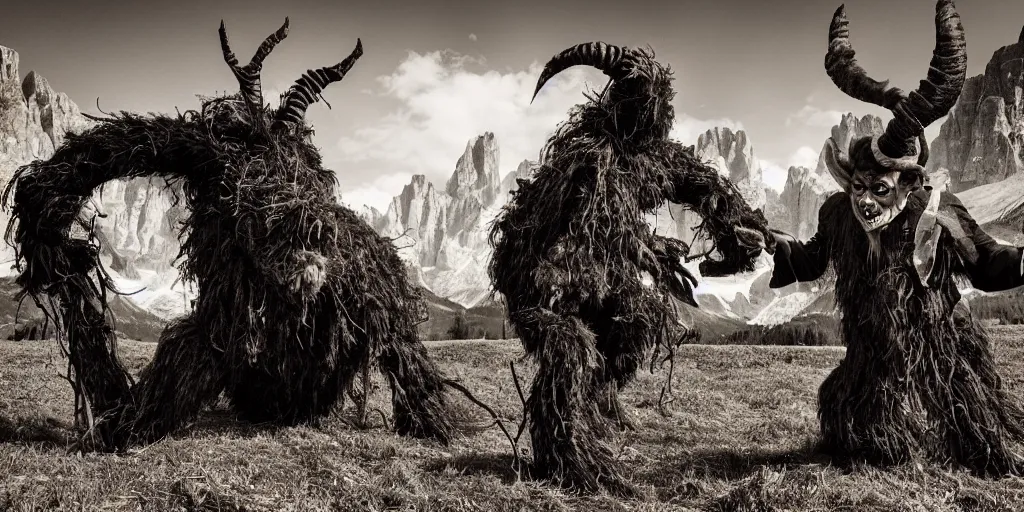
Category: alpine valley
<point>441,229</point>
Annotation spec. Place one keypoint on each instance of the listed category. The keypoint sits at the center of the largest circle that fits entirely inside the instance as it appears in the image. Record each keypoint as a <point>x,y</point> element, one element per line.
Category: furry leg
<point>565,423</point>
<point>185,376</point>
<point>979,424</point>
<point>864,415</point>
<point>623,337</point>
<point>610,406</point>
<point>622,345</point>
<point>418,393</point>
<point>93,355</point>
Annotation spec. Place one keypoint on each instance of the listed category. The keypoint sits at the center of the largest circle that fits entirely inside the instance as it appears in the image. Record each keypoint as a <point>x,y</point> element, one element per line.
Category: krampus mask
<point>879,172</point>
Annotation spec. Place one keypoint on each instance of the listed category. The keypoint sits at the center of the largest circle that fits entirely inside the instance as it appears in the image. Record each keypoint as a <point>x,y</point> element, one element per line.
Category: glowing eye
<point>880,189</point>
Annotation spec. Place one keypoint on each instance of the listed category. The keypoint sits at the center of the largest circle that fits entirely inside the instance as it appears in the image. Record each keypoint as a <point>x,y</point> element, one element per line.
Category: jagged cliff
<point>733,154</point>
<point>141,222</point>
<point>443,233</point>
<point>33,121</point>
<point>982,140</point>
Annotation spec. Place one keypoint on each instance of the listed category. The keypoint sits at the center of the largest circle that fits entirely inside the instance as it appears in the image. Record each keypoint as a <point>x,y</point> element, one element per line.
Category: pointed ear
<point>838,163</point>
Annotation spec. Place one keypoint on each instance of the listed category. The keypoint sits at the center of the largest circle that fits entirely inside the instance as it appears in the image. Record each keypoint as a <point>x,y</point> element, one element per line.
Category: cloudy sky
<point>436,74</point>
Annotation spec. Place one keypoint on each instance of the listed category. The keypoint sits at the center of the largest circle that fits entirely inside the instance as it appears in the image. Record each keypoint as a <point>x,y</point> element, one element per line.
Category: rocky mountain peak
<point>982,139</point>
<point>33,116</point>
<point>141,223</point>
<point>8,64</point>
<point>476,172</point>
<point>510,183</point>
<point>735,149</point>
<point>731,152</point>
<point>445,231</point>
<point>850,128</point>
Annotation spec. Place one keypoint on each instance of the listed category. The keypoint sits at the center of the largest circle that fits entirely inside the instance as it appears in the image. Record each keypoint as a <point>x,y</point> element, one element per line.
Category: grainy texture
<point>738,440</point>
<point>572,245</point>
<point>297,294</point>
<point>918,380</point>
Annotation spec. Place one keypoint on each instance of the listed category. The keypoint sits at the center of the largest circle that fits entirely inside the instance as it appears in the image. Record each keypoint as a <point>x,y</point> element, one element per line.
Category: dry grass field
<point>740,438</point>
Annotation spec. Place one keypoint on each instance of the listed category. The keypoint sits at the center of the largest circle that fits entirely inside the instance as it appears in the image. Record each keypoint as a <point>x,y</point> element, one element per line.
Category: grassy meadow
<point>739,438</point>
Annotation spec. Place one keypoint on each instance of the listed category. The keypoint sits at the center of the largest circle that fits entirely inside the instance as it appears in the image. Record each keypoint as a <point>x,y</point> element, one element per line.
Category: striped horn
<point>842,67</point>
<point>249,76</point>
<point>937,93</point>
<point>912,113</point>
<point>307,88</point>
<point>603,56</point>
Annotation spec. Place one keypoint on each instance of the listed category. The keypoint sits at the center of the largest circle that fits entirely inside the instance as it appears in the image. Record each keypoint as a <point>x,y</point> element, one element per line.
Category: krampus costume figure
<point>571,247</point>
<point>296,293</point>
<point>918,380</point>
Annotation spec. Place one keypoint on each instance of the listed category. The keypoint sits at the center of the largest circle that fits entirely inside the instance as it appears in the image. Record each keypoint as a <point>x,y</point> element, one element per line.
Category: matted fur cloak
<point>918,378</point>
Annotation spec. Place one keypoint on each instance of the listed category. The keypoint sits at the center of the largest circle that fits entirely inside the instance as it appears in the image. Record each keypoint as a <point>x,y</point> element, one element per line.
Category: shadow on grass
<point>212,422</point>
<point>502,466</point>
<point>49,433</point>
<point>38,431</point>
<point>726,464</point>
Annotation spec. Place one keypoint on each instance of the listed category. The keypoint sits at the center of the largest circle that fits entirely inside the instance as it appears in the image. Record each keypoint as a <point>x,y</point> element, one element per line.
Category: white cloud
<point>472,37</point>
<point>376,193</point>
<point>687,128</point>
<point>813,116</point>
<point>446,99</point>
<point>444,104</point>
<point>773,175</point>
<point>804,157</point>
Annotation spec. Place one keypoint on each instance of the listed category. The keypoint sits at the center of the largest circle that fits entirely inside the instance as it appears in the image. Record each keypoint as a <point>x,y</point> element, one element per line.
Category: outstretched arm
<point>738,231</point>
<point>797,261</point>
<point>992,266</point>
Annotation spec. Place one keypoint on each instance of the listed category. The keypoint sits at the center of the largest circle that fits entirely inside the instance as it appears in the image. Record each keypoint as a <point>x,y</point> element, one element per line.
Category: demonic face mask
<point>880,171</point>
<point>877,200</point>
<point>876,197</point>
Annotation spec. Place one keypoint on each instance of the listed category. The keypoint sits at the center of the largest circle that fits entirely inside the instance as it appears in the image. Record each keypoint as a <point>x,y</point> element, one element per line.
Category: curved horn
<point>602,56</point>
<point>901,163</point>
<point>249,76</point>
<point>936,94</point>
<point>308,87</point>
<point>922,154</point>
<point>842,67</point>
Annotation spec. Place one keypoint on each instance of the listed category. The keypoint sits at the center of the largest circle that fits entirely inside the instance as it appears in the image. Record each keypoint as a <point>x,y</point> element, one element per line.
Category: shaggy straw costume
<point>918,380</point>
<point>296,293</point>
<point>572,244</point>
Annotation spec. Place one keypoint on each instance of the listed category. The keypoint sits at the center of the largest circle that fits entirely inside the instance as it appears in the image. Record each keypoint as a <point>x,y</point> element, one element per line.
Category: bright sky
<point>434,75</point>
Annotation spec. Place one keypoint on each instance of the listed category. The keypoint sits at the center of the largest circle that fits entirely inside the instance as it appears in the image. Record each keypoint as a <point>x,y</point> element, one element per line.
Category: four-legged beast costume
<point>572,245</point>
<point>296,293</point>
<point>918,379</point>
